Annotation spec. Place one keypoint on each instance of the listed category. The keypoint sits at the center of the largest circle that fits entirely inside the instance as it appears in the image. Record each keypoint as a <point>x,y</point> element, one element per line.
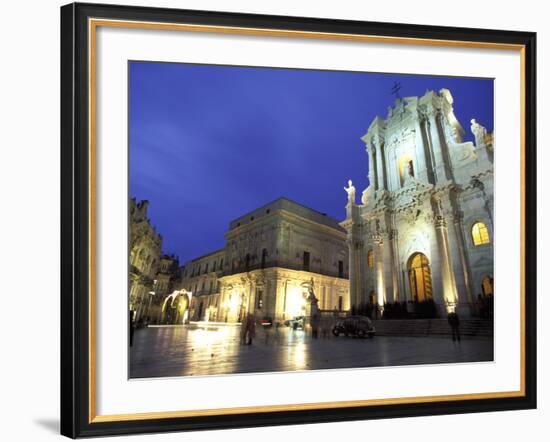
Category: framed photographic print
<point>274,220</point>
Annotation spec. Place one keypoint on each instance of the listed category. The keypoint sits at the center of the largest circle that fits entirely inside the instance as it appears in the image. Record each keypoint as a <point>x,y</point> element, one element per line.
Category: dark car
<point>360,326</point>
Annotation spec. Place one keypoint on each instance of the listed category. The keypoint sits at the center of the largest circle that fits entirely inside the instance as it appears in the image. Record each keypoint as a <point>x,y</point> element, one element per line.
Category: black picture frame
<point>76,402</point>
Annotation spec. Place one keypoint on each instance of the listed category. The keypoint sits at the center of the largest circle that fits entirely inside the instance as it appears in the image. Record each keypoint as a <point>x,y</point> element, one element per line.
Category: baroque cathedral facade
<point>423,230</point>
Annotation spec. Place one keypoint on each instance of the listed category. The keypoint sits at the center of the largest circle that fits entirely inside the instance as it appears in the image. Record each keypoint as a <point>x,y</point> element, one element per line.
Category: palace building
<point>271,257</point>
<point>423,230</point>
<point>151,273</point>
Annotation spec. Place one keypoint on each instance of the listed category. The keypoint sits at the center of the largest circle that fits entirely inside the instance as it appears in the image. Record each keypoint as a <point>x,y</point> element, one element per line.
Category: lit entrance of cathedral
<point>420,277</point>
<point>487,286</point>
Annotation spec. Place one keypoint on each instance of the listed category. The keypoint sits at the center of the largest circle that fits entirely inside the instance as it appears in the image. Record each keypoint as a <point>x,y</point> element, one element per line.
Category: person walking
<point>454,322</point>
<point>244,326</point>
<point>315,325</point>
<point>250,330</point>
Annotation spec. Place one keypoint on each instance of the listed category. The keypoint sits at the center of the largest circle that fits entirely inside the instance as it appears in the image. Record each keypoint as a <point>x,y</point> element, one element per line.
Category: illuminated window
<point>480,234</point>
<point>370,259</point>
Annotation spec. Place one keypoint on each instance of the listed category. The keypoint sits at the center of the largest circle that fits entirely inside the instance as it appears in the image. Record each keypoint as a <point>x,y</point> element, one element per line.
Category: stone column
<point>279,299</point>
<point>380,166</point>
<point>392,170</point>
<point>423,172</point>
<point>405,285</point>
<point>447,274</point>
<point>251,305</point>
<point>464,261</point>
<point>353,241</point>
<point>372,168</point>
<point>396,265</point>
<point>441,169</point>
<point>379,270</point>
<point>428,146</point>
<point>353,271</point>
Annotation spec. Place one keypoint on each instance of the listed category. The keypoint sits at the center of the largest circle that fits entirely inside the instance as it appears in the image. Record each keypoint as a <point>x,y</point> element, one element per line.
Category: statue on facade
<point>408,173</point>
<point>310,286</point>
<point>351,192</point>
<point>314,314</point>
<point>479,132</point>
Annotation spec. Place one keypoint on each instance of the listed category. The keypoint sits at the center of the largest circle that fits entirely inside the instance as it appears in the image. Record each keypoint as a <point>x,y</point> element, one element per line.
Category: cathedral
<point>423,230</point>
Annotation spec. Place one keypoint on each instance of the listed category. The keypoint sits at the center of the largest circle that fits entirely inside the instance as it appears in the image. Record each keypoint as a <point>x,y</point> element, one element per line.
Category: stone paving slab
<point>199,350</point>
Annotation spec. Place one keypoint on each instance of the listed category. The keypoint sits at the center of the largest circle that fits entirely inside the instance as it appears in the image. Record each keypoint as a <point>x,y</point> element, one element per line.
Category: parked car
<point>266,322</point>
<point>360,326</point>
<point>296,322</point>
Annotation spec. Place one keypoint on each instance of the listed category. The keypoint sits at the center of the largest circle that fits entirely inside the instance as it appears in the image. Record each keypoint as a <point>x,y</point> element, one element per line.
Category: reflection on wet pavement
<point>208,349</point>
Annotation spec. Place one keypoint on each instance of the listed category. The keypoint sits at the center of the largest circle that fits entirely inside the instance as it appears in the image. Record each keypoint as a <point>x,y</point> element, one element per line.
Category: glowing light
<point>480,234</point>
<point>404,163</point>
<point>295,302</point>
<point>234,301</point>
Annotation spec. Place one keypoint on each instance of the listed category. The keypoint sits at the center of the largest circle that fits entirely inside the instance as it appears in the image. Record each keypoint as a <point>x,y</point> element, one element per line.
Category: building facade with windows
<point>152,274</point>
<point>423,230</point>
<point>271,257</point>
<point>145,252</point>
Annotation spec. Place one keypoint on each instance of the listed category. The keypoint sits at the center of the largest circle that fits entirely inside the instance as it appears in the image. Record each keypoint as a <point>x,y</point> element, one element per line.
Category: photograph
<point>285,219</point>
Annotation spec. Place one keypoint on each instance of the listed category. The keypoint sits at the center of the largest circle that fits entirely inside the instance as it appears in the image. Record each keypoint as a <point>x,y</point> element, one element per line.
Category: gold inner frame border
<point>93,24</point>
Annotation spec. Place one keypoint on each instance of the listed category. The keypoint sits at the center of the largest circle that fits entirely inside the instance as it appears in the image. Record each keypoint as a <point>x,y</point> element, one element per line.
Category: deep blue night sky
<point>210,143</point>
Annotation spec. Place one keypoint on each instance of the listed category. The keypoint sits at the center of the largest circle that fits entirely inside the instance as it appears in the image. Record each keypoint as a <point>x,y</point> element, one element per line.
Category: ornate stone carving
<point>411,215</point>
<point>440,221</point>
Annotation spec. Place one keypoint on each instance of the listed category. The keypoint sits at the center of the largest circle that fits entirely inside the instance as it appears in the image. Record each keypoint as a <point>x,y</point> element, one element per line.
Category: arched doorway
<point>487,286</point>
<point>420,277</point>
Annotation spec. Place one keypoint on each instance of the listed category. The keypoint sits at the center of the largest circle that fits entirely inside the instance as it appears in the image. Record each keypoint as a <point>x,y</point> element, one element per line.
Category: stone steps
<point>431,327</point>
